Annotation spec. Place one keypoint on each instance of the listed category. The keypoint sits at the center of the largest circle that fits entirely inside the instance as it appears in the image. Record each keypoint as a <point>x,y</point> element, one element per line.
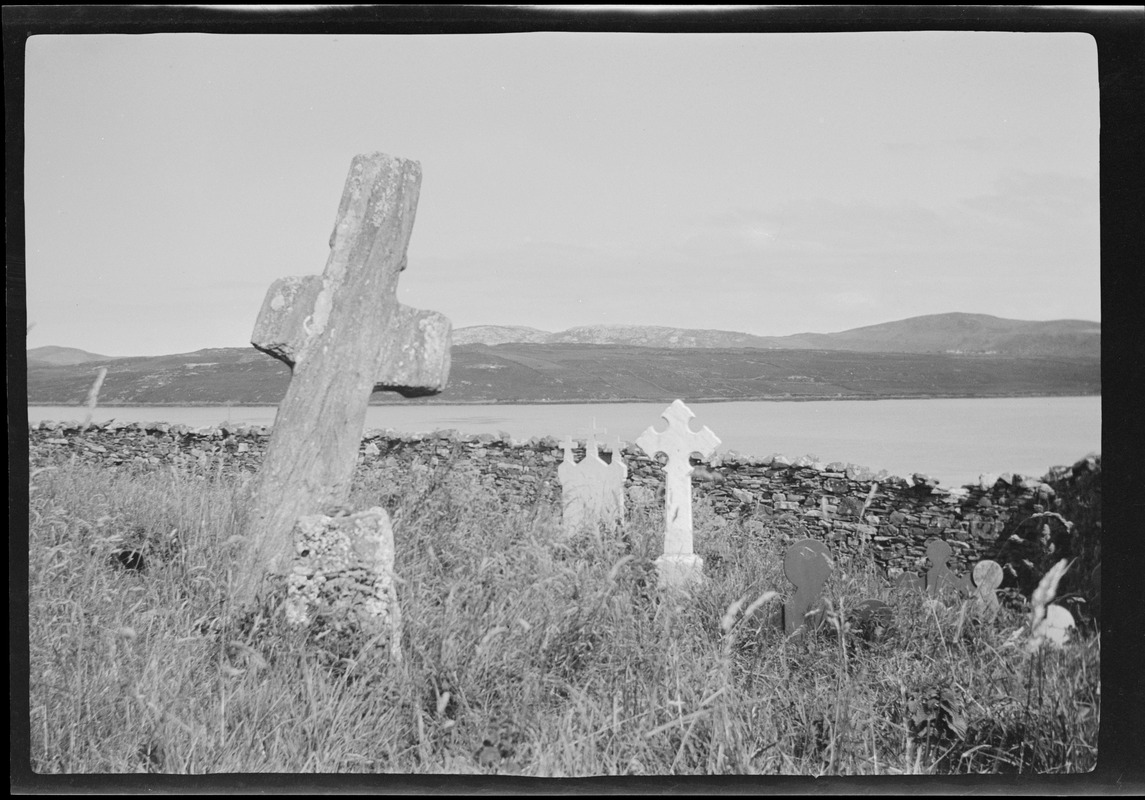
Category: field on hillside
<point>579,373</point>
<point>526,652</point>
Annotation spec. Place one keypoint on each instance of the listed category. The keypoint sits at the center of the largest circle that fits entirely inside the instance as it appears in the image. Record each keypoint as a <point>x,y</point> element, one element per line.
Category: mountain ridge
<point>64,356</point>
<point>953,333</point>
<point>588,373</point>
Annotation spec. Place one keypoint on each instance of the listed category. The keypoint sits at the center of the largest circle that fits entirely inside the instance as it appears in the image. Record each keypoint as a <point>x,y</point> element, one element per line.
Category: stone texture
<point>342,576</point>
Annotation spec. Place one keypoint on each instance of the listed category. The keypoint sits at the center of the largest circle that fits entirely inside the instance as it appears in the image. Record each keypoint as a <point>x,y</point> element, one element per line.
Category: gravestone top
<point>940,577</point>
<point>678,441</point>
<point>592,491</point>
<point>987,578</point>
<point>807,565</point>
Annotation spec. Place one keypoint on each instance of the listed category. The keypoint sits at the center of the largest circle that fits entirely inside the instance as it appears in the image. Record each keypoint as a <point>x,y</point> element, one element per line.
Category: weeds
<point>527,651</point>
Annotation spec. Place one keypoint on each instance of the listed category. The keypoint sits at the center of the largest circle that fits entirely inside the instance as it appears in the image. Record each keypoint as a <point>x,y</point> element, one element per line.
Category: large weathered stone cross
<point>679,565</point>
<point>345,336</point>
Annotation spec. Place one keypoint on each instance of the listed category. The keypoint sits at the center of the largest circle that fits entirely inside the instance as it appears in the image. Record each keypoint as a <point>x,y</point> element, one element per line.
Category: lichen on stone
<point>342,577</point>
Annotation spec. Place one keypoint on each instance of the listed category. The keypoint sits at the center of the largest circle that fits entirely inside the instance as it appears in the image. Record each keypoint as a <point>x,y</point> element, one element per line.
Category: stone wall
<point>840,504</point>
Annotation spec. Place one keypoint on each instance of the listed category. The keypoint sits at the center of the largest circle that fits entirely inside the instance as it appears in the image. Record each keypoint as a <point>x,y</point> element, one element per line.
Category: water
<point>952,440</point>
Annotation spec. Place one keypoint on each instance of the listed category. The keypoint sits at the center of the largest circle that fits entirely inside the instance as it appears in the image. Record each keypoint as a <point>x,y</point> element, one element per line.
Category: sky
<point>762,183</point>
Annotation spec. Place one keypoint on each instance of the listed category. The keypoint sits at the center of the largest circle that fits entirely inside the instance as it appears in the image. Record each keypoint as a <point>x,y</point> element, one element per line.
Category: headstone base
<point>343,573</point>
<point>679,570</point>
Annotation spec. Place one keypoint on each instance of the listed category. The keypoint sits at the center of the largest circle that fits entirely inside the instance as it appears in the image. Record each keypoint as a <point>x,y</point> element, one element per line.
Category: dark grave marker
<point>940,577</point>
<point>807,565</point>
<point>910,581</point>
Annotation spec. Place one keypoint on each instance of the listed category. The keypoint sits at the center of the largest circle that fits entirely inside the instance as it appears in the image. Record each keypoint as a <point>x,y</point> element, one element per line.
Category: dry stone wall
<point>840,504</point>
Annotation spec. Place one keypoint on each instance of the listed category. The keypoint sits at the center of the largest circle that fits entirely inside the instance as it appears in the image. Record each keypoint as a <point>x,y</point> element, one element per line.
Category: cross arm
<point>415,360</point>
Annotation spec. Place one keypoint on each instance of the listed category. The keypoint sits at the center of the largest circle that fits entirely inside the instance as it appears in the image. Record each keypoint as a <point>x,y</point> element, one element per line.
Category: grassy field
<point>525,652</point>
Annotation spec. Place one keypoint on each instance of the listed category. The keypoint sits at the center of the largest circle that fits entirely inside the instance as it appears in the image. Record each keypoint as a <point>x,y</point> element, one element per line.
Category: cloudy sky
<point>764,183</point>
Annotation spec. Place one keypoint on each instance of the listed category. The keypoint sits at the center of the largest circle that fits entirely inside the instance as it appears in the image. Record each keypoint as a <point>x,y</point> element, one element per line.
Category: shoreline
<point>754,399</point>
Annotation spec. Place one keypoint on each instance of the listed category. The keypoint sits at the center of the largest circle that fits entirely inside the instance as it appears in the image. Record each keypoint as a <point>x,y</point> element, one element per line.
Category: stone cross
<point>940,577</point>
<point>344,335</point>
<point>679,566</point>
<point>592,491</point>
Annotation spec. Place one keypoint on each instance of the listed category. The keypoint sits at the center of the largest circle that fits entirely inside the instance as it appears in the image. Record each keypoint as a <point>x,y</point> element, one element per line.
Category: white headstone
<point>1057,627</point>
<point>592,491</point>
<point>679,566</point>
<point>987,578</point>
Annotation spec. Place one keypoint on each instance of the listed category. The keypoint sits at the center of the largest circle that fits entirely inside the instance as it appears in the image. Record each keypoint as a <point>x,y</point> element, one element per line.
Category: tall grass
<point>526,651</point>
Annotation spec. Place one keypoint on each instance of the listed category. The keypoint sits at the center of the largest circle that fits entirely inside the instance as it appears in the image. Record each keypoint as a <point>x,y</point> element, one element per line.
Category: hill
<point>956,333</point>
<point>63,356</point>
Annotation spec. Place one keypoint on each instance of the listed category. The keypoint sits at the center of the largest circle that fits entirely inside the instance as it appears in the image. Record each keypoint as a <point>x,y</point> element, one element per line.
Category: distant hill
<point>63,356</point>
<point>954,333</point>
<point>655,336</point>
<point>499,334</point>
<point>941,355</point>
<point>968,334</point>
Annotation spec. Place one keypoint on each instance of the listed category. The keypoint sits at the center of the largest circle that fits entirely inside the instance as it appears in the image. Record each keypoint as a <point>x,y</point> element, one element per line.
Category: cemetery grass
<point>526,652</point>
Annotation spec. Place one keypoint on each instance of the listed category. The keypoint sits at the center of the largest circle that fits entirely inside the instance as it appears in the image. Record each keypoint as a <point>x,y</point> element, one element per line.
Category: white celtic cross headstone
<point>344,335</point>
<point>679,566</point>
<point>592,491</point>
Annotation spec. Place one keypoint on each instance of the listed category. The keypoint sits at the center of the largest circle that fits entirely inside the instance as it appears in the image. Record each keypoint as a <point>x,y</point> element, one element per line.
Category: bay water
<point>953,440</point>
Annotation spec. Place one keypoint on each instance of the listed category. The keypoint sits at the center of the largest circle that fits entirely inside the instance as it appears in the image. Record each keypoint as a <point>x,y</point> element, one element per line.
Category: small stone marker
<point>807,565</point>
<point>851,508</point>
<point>871,619</point>
<point>344,573</point>
<point>592,491</point>
<point>940,577</point>
<point>987,578</point>
<point>679,566</point>
<point>1057,627</point>
<point>345,335</point>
